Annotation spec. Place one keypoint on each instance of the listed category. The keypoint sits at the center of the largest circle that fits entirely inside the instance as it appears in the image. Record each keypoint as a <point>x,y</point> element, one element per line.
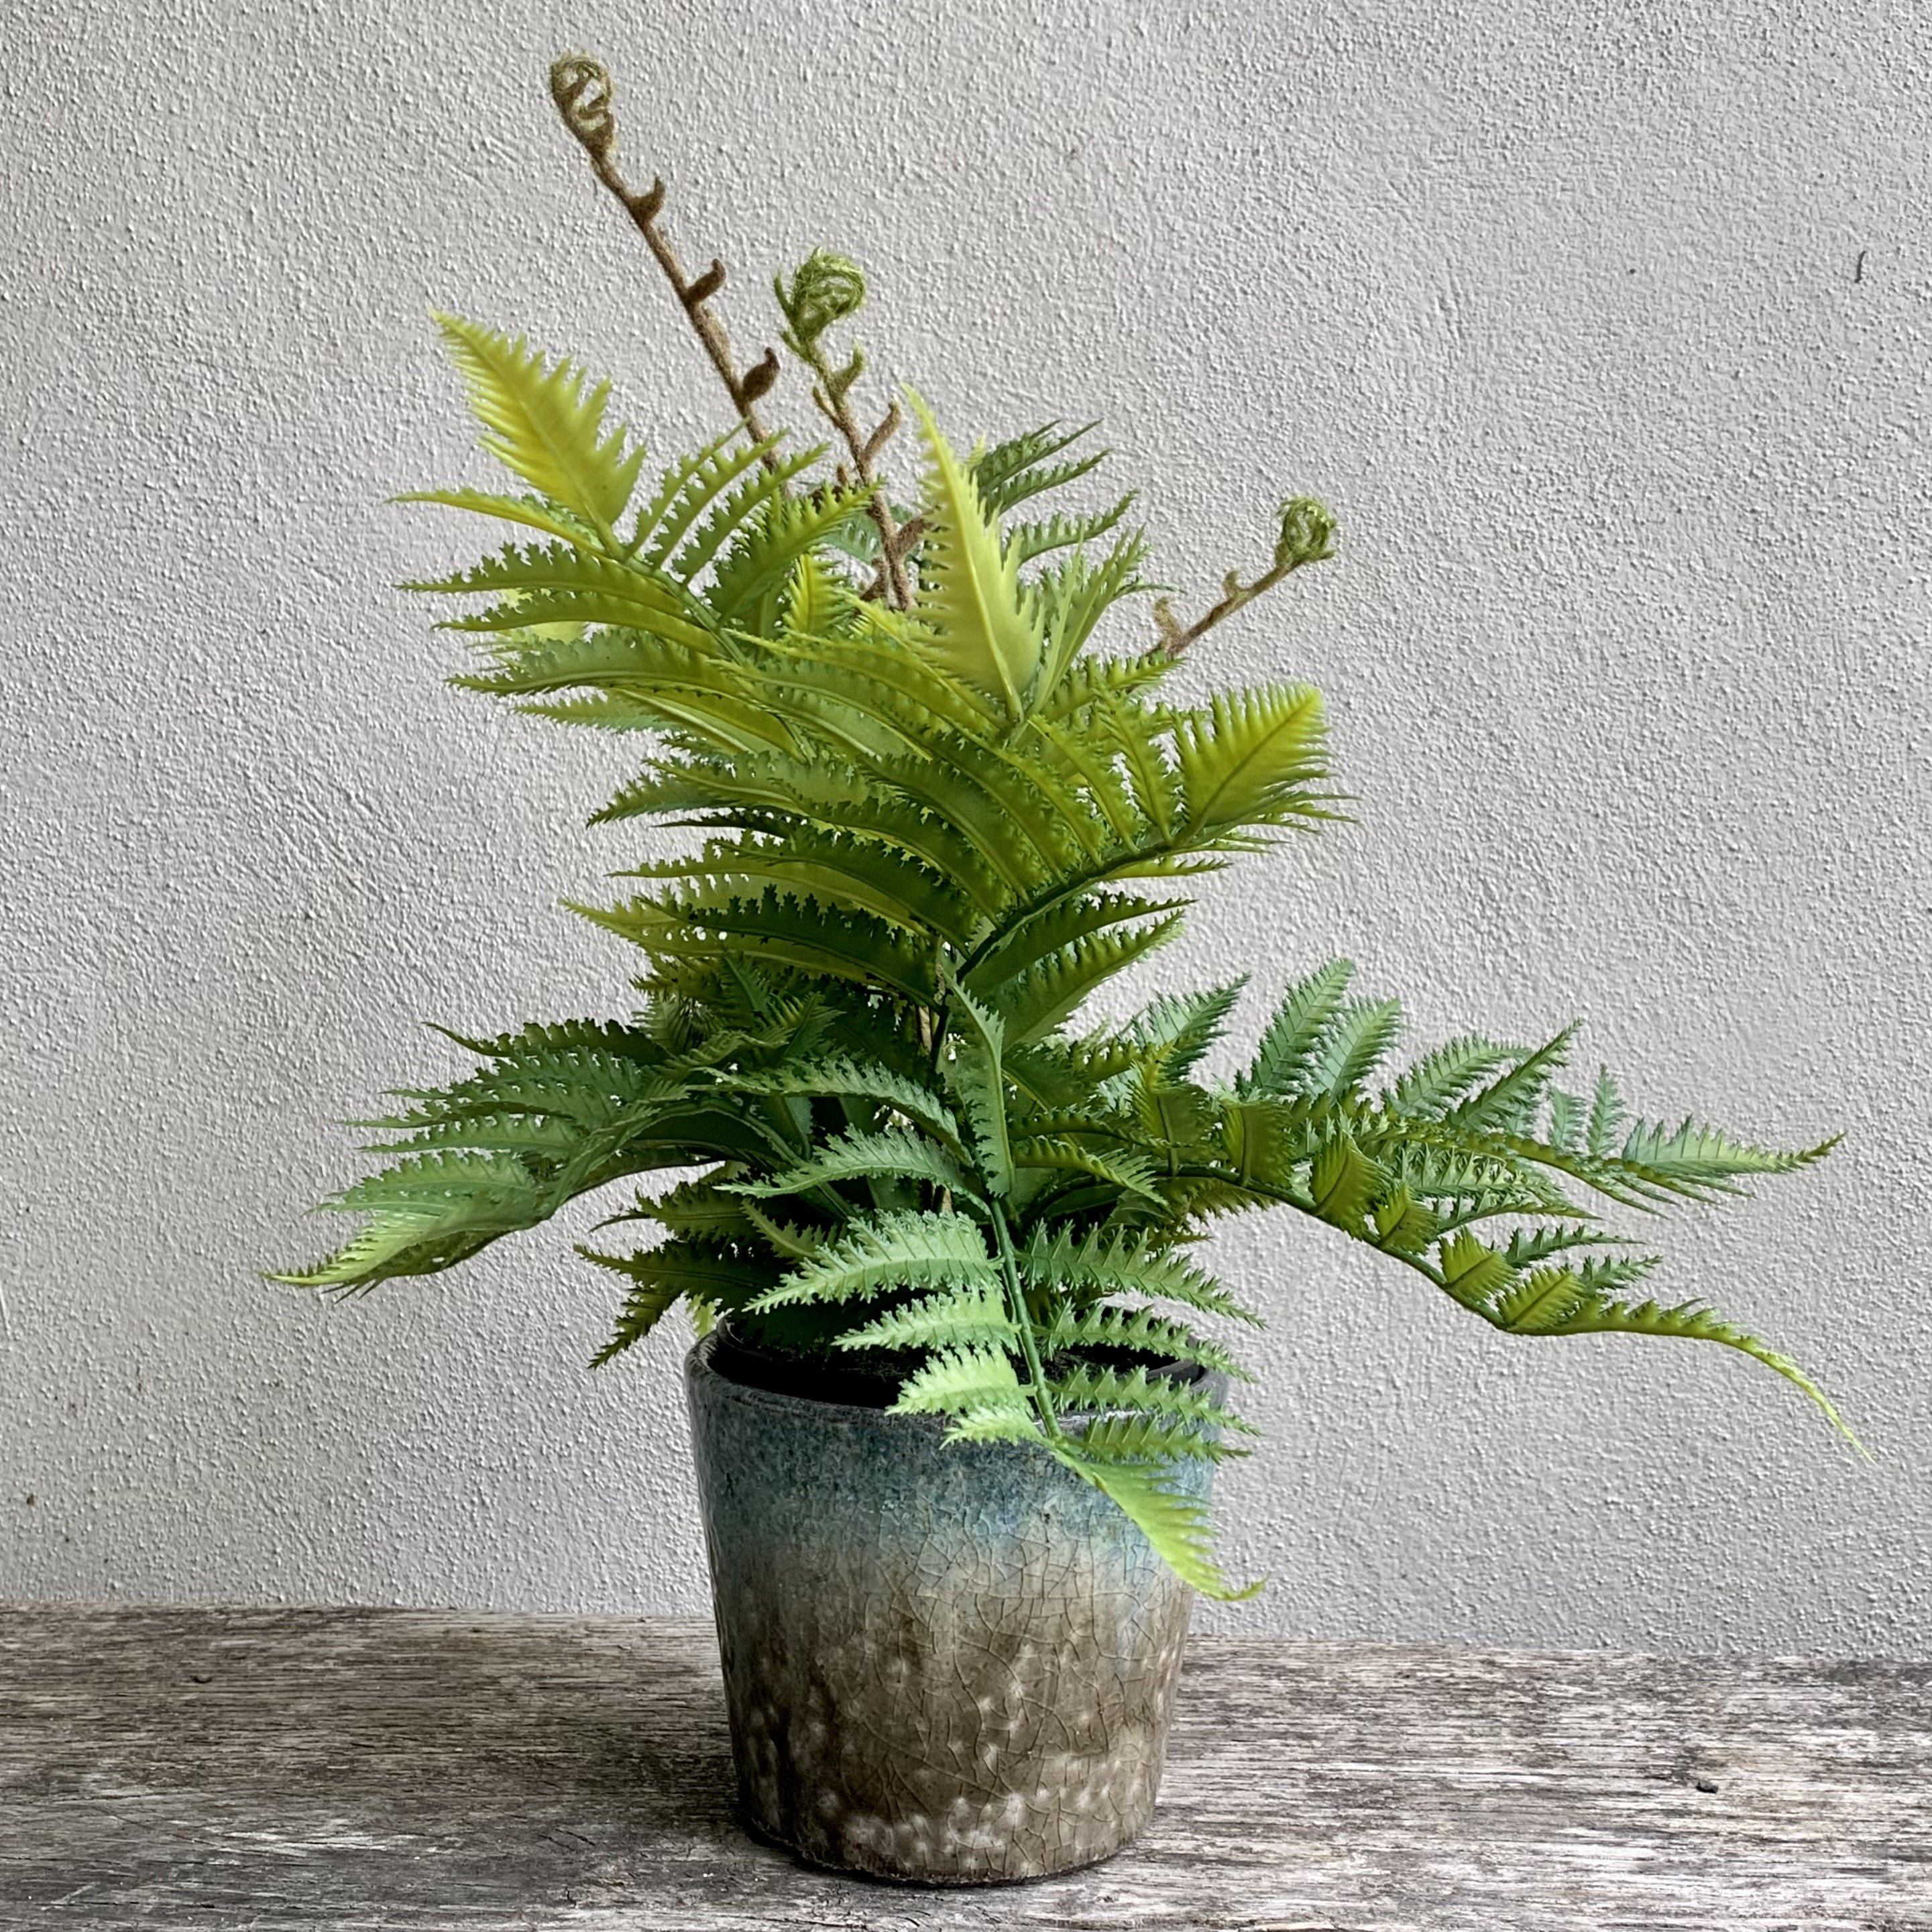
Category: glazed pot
<point>949,1665</point>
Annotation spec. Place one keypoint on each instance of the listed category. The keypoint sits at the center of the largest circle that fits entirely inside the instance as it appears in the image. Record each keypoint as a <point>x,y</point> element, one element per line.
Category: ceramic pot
<point>950,1665</point>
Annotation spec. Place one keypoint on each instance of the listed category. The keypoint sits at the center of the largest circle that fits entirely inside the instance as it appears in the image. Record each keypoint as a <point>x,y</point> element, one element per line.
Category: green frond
<point>1179,1028</point>
<point>545,422</point>
<point>1044,938</point>
<point>1401,1225</point>
<point>974,1385</point>
<point>1443,1074</point>
<point>819,603</point>
<point>974,1319</point>
<point>1150,1439</point>
<point>1072,598</point>
<point>1508,1102</point>
<point>1121,1173</point>
<point>1694,1157</point>
<point>1104,1325</point>
<point>744,512</point>
<point>1529,1246</point>
<point>1010,472</point>
<point>555,583</point>
<point>845,1079</point>
<point>1606,1116</point>
<point>1294,1036</point>
<point>1057,986</point>
<point>1353,1044</point>
<point>1173,1518</point>
<point>775,927</point>
<point>672,687</point>
<point>535,513</point>
<point>977,623</point>
<point>1024,542</point>
<point>1093,680</point>
<point>690,489</point>
<point>978,1083</point>
<point>1086,1390</point>
<point>761,563</point>
<point>425,1212</point>
<point>894,1154</point>
<point>660,1277</point>
<point>1086,1265</point>
<point>1252,757</point>
<point>1343,1183</point>
<point>889,1251</point>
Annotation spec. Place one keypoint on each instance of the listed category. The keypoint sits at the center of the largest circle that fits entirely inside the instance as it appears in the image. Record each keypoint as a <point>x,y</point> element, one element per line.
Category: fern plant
<point>928,809</point>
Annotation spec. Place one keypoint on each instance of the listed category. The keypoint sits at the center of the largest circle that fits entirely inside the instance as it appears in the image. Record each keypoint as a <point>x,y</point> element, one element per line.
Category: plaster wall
<point>1604,329</point>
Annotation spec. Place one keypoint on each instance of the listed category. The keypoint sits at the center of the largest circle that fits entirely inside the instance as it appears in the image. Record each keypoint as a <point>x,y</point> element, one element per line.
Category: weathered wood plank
<point>430,1772</point>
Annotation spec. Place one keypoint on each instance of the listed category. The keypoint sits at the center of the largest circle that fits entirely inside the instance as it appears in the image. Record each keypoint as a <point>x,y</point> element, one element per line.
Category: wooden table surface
<point>353,1769</point>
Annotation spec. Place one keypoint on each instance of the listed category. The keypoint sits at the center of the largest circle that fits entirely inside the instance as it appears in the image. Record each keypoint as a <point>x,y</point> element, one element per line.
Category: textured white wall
<point>1603,328</point>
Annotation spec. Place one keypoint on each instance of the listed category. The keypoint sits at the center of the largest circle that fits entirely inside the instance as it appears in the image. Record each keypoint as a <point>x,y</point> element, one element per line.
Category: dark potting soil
<point>872,1380</point>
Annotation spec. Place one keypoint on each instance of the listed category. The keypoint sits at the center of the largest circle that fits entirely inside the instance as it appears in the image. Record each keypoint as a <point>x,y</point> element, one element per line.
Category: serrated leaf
<point>545,421</point>
<point>976,622</point>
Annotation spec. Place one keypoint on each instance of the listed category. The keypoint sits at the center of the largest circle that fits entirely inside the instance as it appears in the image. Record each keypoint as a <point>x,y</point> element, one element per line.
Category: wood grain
<point>424,1771</point>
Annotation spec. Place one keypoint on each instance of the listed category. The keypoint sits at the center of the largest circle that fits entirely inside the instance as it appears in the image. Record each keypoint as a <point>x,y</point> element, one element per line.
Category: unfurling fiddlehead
<point>1307,535</point>
<point>825,289</point>
<point>581,88</point>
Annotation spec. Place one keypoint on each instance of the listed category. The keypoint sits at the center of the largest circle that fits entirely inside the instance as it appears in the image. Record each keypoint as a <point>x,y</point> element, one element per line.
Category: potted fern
<point>960,1383</point>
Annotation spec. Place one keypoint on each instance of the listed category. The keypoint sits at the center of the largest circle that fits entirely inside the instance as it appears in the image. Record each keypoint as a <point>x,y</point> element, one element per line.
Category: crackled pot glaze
<point>949,1665</point>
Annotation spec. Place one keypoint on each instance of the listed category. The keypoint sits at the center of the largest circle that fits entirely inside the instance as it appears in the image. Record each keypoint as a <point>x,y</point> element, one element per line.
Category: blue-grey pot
<point>952,1665</point>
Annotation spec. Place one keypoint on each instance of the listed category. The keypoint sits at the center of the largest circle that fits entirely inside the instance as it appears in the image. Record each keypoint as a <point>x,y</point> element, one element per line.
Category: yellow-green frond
<point>545,421</point>
<point>978,623</point>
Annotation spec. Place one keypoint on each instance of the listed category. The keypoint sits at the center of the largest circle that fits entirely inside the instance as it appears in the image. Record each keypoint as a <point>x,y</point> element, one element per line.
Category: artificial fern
<point>929,815</point>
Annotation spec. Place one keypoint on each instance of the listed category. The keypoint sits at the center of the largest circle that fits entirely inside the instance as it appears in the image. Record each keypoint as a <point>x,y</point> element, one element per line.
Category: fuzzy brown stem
<point>892,543</point>
<point>581,88</point>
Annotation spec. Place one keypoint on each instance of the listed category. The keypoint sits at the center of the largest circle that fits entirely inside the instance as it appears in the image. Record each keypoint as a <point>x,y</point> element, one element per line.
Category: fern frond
<point>1506,1103</point>
<point>960,1318</point>
<point>1342,1184</point>
<point>545,422</point>
<point>1086,1265</point>
<point>1172,1518</point>
<point>1353,1044</point>
<point>554,583</point>
<point>535,513</point>
<point>1293,1036</point>
<point>1011,471</point>
<point>1051,992</point>
<point>1444,1074</point>
<point>1606,1115</point>
<point>887,1252</point>
<point>1694,1158</point>
<point>1106,1326</point>
<point>424,1212</point>
<point>1252,756</point>
<point>1179,1028</point>
<point>763,559</point>
<point>975,1385</point>
<point>894,1154</point>
<point>979,1083</point>
<point>977,623</point>
<point>660,1277</point>
<point>1024,542</point>
<point>842,1078</point>
<point>688,491</point>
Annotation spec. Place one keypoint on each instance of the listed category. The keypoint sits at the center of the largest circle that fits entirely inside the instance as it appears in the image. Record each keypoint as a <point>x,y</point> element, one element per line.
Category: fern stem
<point>582,90</point>
<point>1023,1321</point>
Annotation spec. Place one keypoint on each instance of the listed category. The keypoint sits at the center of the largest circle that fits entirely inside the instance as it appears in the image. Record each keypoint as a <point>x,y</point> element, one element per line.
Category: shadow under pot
<point>951,1665</point>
